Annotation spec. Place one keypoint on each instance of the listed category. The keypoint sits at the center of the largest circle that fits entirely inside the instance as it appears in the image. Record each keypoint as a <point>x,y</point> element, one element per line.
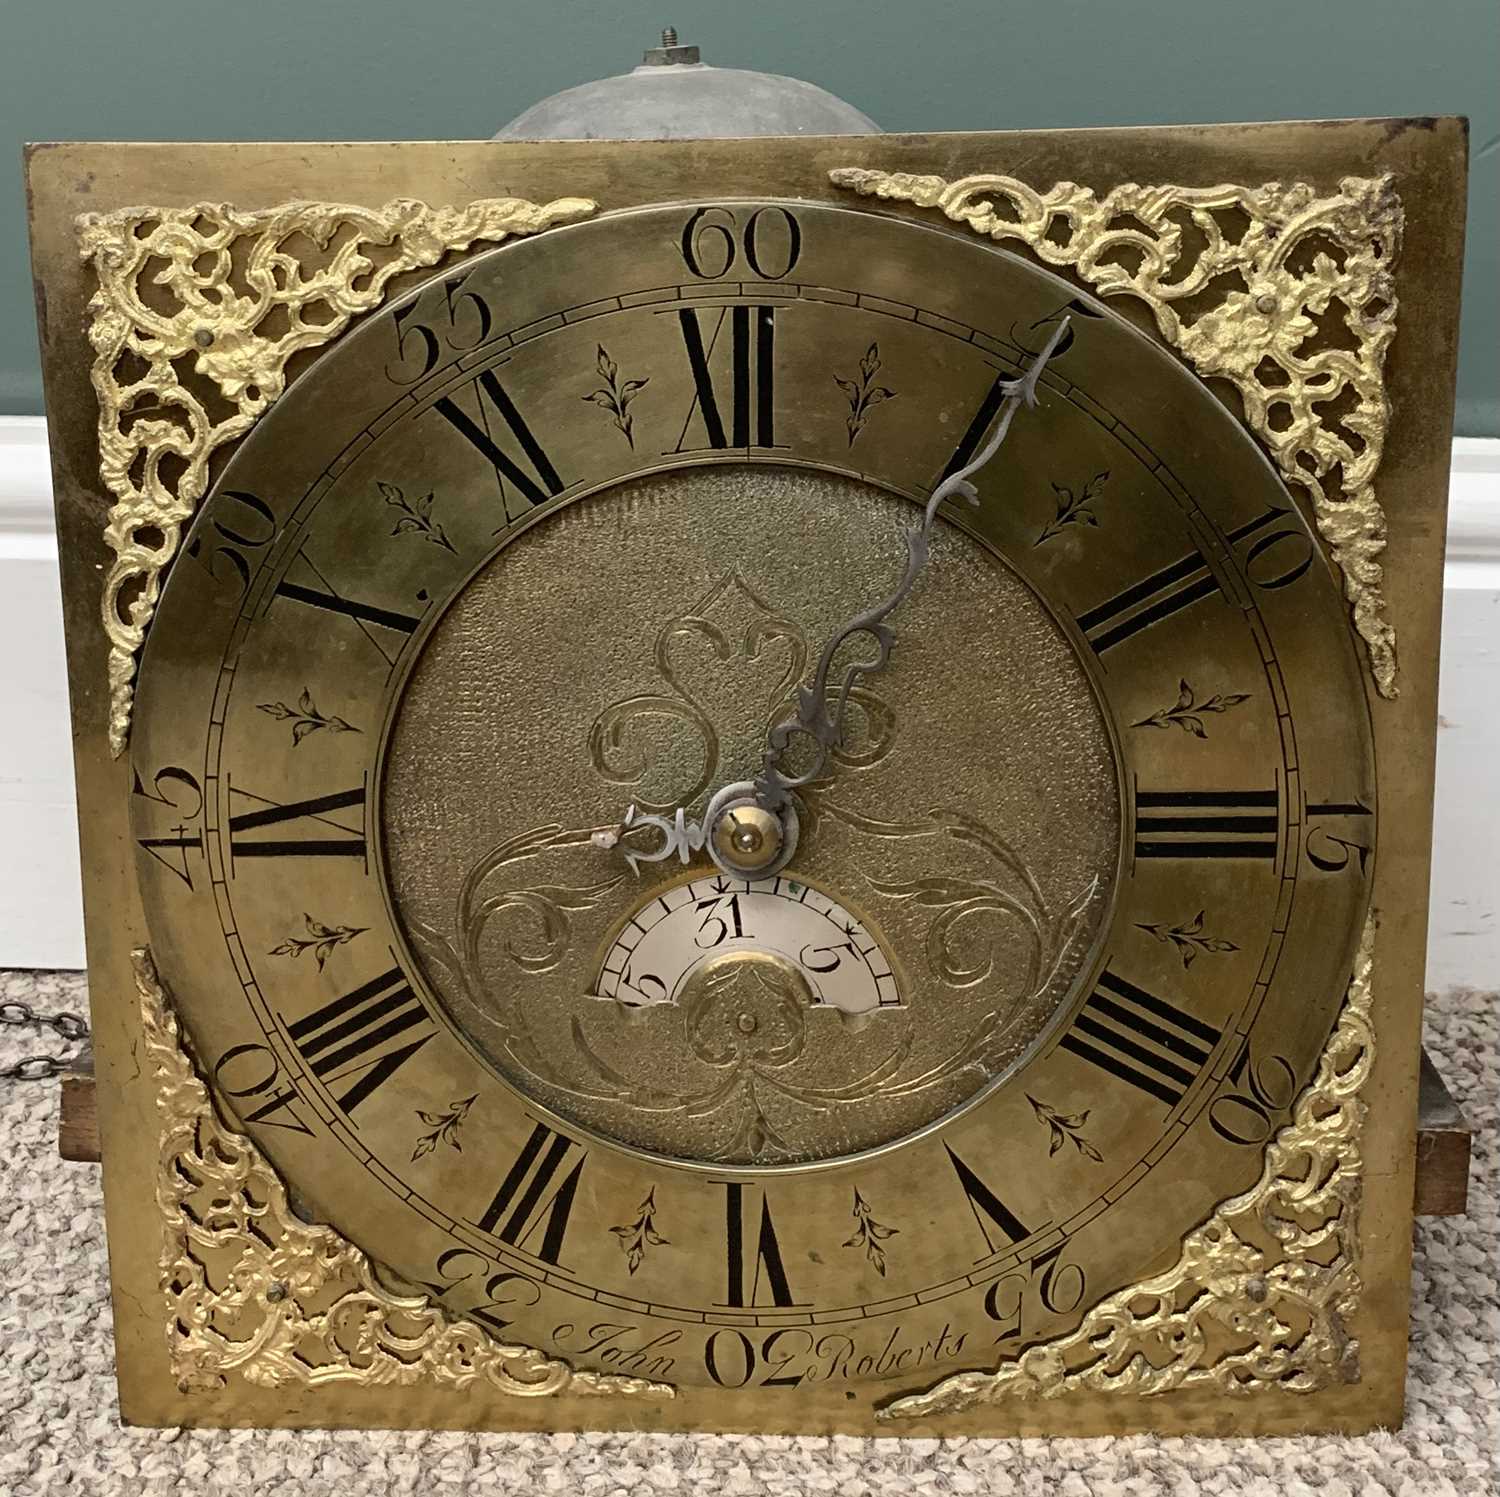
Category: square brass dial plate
<point>904,179</point>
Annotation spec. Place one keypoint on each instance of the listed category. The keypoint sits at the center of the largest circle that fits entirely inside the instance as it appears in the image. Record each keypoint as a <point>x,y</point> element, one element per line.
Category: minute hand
<point>820,718</point>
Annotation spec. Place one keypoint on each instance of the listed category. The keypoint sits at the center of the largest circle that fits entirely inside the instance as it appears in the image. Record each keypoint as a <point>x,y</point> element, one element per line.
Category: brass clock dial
<point>562,532</point>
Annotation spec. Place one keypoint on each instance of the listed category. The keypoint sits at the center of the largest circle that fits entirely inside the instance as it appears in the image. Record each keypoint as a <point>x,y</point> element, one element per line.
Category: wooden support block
<point>78,1121</point>
<point>1443,1133</point>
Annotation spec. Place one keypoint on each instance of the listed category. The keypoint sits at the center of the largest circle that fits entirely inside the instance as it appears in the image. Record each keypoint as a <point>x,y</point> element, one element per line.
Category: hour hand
<point>740,835</point>
<point>679,836</point>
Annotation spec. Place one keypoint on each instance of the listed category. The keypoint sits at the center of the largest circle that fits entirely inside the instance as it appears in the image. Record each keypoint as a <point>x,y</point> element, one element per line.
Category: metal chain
<point>41,1067</point>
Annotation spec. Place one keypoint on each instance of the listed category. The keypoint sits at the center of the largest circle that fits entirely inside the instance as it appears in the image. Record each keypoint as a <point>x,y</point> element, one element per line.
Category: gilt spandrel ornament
<point>252,1290</point>
<point>1292,262</point>
<point>1232,1313</point>
<point>175,383</point>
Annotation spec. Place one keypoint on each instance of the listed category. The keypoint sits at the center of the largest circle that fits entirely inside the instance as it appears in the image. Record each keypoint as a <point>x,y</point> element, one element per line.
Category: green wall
<point>340,69</point>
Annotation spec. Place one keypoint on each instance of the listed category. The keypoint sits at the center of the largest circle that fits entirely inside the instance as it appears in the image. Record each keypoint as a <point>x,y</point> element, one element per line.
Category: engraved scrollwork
<point>534,924</point>
<point>618,734</point>
<point>747,1016</point>
<point>252,1289</point>
<point>1010,896</point>
<point>1289,295</point>
<point>1230,1314</point>
<point>197,313</point>
<point>538,943</point>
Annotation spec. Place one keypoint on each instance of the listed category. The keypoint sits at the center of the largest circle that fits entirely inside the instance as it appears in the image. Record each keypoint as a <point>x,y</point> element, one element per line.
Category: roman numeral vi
<point>761,1267</point>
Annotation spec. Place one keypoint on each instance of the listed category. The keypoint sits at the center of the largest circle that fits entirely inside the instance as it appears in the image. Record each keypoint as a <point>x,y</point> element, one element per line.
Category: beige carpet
<point>59,1430</point>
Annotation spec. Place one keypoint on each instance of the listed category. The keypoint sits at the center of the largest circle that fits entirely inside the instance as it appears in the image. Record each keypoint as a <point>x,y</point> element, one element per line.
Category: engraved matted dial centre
<point>632,650</point>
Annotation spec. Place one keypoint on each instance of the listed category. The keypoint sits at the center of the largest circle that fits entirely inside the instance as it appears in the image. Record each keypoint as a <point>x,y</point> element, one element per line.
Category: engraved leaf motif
<point>1073,508</point>
<point>1063,1128</point>
<point>335,724</point>
<point>566,897</point>
<point>614,396</point>
<point>863,394</point>
<point>637,1235</point>
<point>869,1234</point>
<point>442,1127</point>
<point>321,940</point>
<point>1187,712</point>
<point>1188,938</point>
<point>415,518</point>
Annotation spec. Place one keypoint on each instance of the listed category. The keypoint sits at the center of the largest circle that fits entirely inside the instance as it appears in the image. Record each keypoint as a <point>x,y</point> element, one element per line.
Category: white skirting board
<point>41,921</point>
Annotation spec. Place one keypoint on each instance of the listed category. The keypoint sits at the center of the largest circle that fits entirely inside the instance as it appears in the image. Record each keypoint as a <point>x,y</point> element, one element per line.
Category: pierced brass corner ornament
<point>1228,1315</point>
<point>252,1289</point>
<point>197,312</point>
<point>1253,305</point>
